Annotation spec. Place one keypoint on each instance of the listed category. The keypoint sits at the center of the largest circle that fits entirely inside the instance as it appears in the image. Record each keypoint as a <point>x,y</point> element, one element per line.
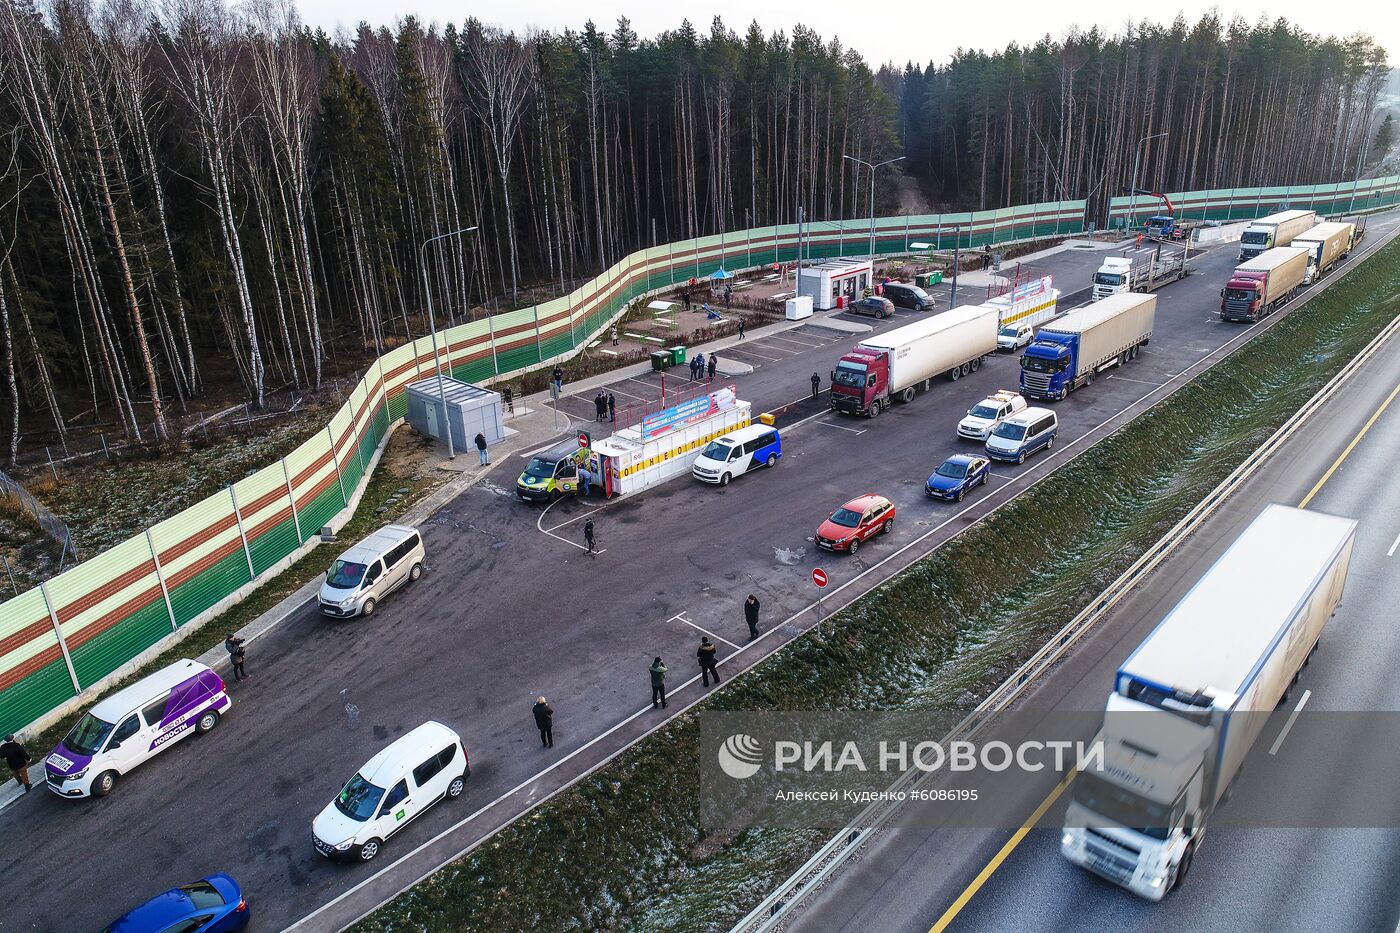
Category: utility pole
<point>1137,156</point>
<point>872,200</point>
<point>432,329</point>
<point>957,242</point>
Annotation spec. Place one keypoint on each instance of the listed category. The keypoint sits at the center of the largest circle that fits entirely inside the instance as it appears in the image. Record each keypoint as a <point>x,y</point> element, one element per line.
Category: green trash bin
<point>660,360</point>
<point>677,355</point>
<point>935,278</point>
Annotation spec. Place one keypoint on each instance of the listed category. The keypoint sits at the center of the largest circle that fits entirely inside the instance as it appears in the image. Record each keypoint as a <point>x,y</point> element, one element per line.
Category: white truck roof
<point>912,333</point>
<point>1322,231</point>
<point>1271,259</point>
<point>1282,217</point>
<point>1213,640</point>
<point>1091,316</point>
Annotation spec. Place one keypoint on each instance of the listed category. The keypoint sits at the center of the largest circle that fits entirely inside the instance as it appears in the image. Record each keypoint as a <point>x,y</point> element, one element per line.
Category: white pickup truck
<point>988,413</point>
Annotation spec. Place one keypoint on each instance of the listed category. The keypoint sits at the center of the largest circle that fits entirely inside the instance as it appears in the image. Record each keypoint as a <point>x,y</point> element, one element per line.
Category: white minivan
<point>390,791</point>
<point>371,570</point>
<point>736,453</point>
<point>133,725</point>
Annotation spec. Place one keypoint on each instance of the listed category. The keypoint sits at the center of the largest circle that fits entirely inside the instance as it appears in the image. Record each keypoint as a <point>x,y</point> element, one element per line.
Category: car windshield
<point>845,518</point>
<point>1012,432</point>
<point>87,735</point>
<point>359,799</point>
<point>954,470</point>
<point>1037,364</point>
<point>1123,806</point>
<point>345,575</point>
<point>983,411</point>
<point>540,468</point>
<point>716,450</point>
<point>203,895</point>
<point>1009,331</point>
<point>849,374</point>
<point>920,292</point>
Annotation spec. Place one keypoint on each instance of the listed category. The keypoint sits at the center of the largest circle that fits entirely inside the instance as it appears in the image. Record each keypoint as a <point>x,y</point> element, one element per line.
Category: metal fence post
<point>539,345</point>
<point>292,496</point>
<point>52,470</point>
<point>238,518</point>
<point>491,332</point>
<point>336,460</point>
<point>62,642</point>
<point>160,577</point>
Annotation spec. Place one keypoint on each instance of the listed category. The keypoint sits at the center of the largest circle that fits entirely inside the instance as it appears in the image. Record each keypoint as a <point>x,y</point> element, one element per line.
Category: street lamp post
<point>1137,155</point>
<point>872,200</point>
<point>432,330</point>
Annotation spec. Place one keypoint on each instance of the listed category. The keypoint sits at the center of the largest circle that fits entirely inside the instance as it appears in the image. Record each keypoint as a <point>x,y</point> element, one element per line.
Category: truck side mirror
<point>1222,293</point>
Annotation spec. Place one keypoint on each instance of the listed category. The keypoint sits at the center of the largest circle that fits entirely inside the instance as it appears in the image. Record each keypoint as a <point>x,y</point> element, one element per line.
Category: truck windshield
<point>1011,432</point>
<point>1107,278</point>
<point>359,798</point>
<point>1255,237</point>
<point>87,736</point>
<point>1122,806</point>
<point>849,374</point>
<point>1036,364</point>
<point>1239,294</point>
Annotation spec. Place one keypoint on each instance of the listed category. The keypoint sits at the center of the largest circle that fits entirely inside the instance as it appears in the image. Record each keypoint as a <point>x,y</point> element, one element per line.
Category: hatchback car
<point>875,306</point>
<point>956,475</point>
<point>213,904</point>
<point>856,521</point>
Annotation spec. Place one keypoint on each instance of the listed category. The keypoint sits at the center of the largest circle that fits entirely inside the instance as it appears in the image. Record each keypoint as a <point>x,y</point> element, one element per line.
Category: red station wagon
<point>861,518</point>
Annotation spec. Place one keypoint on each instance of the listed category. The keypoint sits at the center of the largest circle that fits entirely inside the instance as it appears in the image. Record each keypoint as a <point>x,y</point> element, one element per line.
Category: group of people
<point>604,406</point>
<point>700,367</point>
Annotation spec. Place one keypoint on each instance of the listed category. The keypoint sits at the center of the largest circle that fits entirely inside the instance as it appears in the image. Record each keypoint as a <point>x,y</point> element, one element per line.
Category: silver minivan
<point>371,570</point>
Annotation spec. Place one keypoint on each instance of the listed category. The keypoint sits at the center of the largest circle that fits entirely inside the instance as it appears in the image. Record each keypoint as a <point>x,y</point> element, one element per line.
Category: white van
<point>393,788</point>
<point>736,453</point>
<point>1021,435</point>
<point>371,570</point>
<point>133,725</point>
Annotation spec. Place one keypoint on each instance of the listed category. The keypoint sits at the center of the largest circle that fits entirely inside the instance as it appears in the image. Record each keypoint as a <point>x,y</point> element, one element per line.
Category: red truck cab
<point>860,378</point>
<point>1242,298</point>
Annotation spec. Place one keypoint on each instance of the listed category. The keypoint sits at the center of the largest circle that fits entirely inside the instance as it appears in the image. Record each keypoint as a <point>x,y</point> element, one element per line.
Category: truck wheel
<point>907,395</point>
<point>955,373</point>
<point>873,411</point>
<point>976,364</point>
<point>1089,378</point>
<point>1184,867</point>
<point>966,368</point>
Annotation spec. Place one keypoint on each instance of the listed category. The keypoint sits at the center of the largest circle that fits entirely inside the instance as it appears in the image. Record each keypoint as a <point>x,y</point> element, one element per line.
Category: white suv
<point>988,413</point>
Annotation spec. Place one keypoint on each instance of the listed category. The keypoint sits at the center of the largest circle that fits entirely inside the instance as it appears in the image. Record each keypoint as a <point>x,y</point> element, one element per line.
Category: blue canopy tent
<point>719,280</point>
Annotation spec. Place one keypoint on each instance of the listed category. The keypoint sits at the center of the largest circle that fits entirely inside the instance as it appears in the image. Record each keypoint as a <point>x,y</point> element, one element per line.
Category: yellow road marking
<point>952,912</point>
<point>1347,451</point>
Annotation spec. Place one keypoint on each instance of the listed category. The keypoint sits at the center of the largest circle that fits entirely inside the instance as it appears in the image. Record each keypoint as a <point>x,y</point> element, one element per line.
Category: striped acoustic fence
<point>1359,197</point>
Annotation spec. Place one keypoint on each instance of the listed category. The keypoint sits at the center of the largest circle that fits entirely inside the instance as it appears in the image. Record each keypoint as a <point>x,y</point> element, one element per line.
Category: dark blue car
<point>213,904</point>
<point>957,475</point>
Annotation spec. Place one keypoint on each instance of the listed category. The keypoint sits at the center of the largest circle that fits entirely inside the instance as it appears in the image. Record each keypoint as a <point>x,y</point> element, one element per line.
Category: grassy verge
<point>397,470</point>
<point>625,848</point>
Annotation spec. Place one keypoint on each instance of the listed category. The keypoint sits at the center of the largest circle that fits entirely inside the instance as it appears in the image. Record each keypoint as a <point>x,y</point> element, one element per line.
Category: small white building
<point>666,443</point>
<point>834,283</point>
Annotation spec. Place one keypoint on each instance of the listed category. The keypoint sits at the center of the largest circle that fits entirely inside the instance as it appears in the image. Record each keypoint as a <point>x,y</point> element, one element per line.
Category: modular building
<point>834,284</point>
<point>666,443</point>
<point>470,409</point>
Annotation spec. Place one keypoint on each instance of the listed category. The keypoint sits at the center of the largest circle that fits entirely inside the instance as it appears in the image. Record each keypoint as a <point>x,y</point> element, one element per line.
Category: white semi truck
<point>1139,273</point>
<point>1275,230</point>
<point>1191,700</point>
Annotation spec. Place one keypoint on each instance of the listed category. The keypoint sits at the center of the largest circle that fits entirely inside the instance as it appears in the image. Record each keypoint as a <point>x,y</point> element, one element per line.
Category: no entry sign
<point>819,576</point>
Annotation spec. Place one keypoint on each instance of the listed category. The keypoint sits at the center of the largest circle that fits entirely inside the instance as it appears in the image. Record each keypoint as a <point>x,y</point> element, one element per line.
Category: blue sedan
<point>957,475</point>
<point>213,904</point>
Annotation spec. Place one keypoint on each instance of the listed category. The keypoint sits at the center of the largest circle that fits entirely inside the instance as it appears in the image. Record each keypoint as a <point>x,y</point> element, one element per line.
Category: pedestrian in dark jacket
<point>751,615</point>
<point>588,538</point>
<point>481,453</point>
<point>685,295</point>
<point>658,684</point>
<point>713,365</point>
<point>612,407</point>
<point>699,366</point>
<point>17,757</point>
<point>728,294</point>
<point>544,721</point>
<point>558,378</point>
<point>741,328</point>
<point>708,662</point>
<point>600,405</point>
<point>236,653</point>
<point>816,385</point>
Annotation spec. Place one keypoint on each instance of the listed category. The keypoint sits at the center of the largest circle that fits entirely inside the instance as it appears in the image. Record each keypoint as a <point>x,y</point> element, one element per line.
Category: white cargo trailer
<point>1328,244</point>
<point>1191,700</point>
<point>1275,230</point>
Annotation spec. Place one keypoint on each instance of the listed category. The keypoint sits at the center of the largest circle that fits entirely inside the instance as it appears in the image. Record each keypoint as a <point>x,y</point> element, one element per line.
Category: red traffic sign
<point>584,440</point>
<point>819,576</point>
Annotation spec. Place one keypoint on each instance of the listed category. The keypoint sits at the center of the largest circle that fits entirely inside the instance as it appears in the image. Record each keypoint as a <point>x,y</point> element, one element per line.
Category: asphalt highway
<point>510,608</point>
<point>1242,879</point>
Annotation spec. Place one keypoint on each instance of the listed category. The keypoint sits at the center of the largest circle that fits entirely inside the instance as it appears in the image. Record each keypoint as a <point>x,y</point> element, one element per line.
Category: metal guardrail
<point>777,907</point>
<point>53,526</point>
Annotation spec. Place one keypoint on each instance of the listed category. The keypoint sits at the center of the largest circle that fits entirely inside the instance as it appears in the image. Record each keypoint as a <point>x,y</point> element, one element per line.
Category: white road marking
<point>840,427</point>
<point>1138,381</point>
<point>639,398</point>
<point>1289,725</point>
<point>800,343</point>
<point>680,617</point>
<point>1393,545</point>
<point>539,523</point>
<point>772,359</point>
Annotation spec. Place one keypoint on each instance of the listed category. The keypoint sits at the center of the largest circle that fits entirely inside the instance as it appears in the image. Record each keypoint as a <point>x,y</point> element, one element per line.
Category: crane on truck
<point>1163,226</point>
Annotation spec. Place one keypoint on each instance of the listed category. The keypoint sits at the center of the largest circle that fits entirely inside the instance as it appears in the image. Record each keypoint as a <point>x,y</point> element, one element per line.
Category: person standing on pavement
<point>612,407</point>
<point>699,366</point>
<point>481,453</point>
<point>708,662</point>
<point>685,296</point>
<point>584,478</point>
<point>714,364</point>
<point>589,539</point>
<point>751,615</point>
<point>741,328</point>
<point>544,721</point>
<point>557,377</point>
<point>658,684</point>
<point>600,405</point>
<point>236,653</point>
<point>17,756</point>
<point>728,294</point>
<point>816,385</point>
<point>614,334</point>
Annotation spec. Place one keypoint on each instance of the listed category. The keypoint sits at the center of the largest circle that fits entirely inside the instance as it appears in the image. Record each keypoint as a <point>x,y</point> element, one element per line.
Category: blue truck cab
<point>1048,365</point>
